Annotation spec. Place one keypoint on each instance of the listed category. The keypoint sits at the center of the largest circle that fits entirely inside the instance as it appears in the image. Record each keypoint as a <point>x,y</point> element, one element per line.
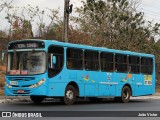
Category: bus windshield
<point>26,63</point>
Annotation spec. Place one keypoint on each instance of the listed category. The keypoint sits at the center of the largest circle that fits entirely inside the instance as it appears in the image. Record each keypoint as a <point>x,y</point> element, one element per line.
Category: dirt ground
<point>2,79</point>
<point>158,90</point>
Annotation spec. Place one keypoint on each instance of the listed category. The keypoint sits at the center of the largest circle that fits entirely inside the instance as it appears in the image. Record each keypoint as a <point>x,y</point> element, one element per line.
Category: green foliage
<point>117,24</point>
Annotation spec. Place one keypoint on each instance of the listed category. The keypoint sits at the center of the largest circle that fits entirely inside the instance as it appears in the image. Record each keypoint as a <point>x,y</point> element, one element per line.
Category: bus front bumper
<point>22,91</point>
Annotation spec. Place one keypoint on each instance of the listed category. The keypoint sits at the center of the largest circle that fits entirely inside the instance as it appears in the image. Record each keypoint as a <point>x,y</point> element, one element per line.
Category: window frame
<point>134,64</point>
<point>118,63</point>
<point>113,61</point>
<point>98,60</point>
<point>73,58</point>
<point>145,65</point>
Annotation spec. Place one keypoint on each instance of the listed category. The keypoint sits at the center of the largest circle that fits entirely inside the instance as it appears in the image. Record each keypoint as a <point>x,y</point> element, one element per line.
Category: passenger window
<point>134,64</point>
<point>74,58</point>
<point>146,65</point>
<point>121,63</point>
<point>107,62</point>
<point>91,59</point>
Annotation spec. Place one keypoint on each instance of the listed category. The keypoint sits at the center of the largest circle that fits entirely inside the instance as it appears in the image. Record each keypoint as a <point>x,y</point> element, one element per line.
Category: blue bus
<point>51,69</point>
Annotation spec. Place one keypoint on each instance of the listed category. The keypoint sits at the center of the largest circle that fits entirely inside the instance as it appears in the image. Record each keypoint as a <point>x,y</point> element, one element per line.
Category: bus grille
<point>21,78</point>
<point>25,92</point>
<point>20,86</point>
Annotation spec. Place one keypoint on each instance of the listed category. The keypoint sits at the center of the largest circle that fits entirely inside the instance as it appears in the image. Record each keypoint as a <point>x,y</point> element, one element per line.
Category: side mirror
<point>53,60</point>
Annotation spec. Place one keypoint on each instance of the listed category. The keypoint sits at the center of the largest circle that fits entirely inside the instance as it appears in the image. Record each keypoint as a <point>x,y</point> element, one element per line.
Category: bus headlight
<point>37,84</point>
<point>9,86</point>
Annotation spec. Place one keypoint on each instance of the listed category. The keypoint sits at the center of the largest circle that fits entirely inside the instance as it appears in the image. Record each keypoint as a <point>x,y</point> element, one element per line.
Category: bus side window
<point>121,63</point>
<point>146,65</point>
<point>107,62</point>
<point>91,59</point>
<point>74,58</point>
<point>129,69</point>
<point>134,64</point>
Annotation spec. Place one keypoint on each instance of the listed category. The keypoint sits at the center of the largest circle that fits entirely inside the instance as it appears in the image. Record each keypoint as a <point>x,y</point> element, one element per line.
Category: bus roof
<point>103,49</point>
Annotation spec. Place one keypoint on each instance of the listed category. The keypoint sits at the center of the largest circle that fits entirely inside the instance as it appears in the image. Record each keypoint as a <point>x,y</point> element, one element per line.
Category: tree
<point>22,29</point>
<point>5,4</point>
<point>115,24</point>
<point>54,31</point>
<point>41,24</point>
<point>53,18</point>
<point>11,15</point>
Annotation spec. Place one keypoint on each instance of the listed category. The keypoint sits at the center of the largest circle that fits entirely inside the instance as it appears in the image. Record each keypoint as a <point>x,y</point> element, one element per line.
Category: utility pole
<point>67,11</point>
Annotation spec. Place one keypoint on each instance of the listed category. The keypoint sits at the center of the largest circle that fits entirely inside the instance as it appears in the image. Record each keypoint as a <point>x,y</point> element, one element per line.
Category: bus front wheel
<point>70,95</point>
<point>37,99</point>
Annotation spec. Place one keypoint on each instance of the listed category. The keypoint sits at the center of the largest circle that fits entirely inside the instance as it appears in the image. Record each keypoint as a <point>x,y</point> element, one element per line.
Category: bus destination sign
<point>26,45</point>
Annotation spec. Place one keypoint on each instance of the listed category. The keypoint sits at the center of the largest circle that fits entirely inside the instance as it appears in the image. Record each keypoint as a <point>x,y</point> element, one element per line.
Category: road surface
<point>134,105</point>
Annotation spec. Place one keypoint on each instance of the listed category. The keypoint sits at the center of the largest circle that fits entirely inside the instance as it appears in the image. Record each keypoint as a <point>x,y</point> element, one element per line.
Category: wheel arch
<point>128,85</point>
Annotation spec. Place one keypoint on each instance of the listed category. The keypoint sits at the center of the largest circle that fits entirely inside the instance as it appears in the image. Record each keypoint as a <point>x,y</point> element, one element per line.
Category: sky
<point>42,4</point>
<point>151,8</point>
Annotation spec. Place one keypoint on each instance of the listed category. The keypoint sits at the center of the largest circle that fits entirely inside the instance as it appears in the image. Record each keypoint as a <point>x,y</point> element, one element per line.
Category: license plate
<point>13,83</point>
<point>20,91</point>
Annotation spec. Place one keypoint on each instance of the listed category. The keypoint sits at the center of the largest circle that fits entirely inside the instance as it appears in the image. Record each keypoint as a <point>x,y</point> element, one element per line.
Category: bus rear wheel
<point>125,95</point>
<point>37,99</point>
<point>70,95</point>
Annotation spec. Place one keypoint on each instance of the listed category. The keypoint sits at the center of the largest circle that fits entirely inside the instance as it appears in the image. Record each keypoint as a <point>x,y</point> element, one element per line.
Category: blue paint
<point>73,76</point>
<point>97,84</point>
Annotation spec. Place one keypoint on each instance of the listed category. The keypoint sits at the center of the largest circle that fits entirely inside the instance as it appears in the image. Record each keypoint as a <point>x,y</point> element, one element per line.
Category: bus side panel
<point>56,89</point>
<point>119,80</point>
<point>138,85</point>
<point>118,90</point>
<point>90,81</point>
<point>144,85</point>
<point>81,90</point>
<point>103,90</point>
<point>90,89</point>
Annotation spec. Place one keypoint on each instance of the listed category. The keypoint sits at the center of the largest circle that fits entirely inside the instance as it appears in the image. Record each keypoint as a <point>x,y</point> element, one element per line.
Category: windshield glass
<point>26,63</point>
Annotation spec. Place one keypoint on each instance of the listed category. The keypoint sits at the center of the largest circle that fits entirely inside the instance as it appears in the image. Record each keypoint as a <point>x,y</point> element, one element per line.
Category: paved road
<point>110,105</point>
<point>134,105</point>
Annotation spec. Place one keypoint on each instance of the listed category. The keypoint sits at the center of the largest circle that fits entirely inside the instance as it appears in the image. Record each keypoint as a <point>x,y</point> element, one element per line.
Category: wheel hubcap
<point>69,94</point>
<point>126,94</point>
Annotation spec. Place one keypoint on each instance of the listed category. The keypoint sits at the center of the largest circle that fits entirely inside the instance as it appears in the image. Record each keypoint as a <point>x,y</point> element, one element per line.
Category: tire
<point>70,95</point>
<point>37,99</point>
<point>125,95</point>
